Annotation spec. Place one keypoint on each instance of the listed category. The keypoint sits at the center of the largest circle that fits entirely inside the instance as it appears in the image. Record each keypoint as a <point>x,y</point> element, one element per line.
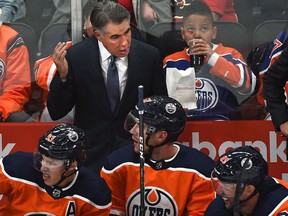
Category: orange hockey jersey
<point>26,194</point>
<point>14,72</point>
<point>178,186</point>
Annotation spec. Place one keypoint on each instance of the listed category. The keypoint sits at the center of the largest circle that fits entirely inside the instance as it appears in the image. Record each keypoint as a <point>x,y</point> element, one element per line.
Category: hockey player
<point>240,179</point>
<point>50,181</point>
<point>176,176</point>
<point>224,81</point>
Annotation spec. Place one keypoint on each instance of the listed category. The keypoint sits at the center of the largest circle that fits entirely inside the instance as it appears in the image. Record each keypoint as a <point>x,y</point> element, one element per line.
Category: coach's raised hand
<point>59,59</point>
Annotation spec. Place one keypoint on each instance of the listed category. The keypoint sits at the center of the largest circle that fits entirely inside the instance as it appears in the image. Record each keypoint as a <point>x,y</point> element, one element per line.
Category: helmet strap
<point>239,189</point>
<point>248,198</point>
<point>236,208</point>
<point>148,155</point>
<point>149,132</point>
<point>64,177</point>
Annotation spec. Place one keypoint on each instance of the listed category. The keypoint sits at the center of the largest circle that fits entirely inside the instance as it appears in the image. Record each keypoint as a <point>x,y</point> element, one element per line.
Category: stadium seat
<point>234,35</point>
<point>28,35</point>
<point>51,35</point>
<point>166,36</point>
<point>267,31</point>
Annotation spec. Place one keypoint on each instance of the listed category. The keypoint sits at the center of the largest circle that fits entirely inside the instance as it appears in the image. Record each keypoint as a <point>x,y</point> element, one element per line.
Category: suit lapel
<point>133,60</point>
<point>95,72</point>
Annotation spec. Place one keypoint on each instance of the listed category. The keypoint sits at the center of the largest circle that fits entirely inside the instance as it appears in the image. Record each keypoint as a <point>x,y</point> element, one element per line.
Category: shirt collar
<point>104,53</point>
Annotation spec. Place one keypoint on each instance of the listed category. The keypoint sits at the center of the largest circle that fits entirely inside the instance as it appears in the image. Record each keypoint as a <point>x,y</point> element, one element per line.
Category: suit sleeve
<point>159,81</point>
<point>274,81</point>
<point>60,100</point>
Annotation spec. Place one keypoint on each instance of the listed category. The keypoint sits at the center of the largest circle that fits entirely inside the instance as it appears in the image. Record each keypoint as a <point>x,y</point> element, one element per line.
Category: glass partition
<point>243,25</point>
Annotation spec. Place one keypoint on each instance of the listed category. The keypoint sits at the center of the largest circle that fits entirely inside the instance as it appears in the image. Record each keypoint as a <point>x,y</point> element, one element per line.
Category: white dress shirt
<point>121,64</point>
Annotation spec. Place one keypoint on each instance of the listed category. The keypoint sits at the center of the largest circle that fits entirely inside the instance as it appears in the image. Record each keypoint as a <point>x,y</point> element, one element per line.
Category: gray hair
<point>108,12</point>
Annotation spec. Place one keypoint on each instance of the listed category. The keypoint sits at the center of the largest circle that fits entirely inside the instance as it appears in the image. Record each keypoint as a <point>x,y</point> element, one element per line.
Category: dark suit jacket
<point>274,81</point>
<point>85,88</point>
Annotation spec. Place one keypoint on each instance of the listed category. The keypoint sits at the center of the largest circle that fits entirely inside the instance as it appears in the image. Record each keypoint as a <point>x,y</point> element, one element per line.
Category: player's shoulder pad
<point>120,156</point>
<point>20,165</point>
<point>91,186</point>
<point>192,158</point>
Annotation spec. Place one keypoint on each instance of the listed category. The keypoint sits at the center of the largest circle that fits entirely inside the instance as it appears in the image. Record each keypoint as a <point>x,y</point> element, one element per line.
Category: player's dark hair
<point>197,8</point>
<point>107,12</point>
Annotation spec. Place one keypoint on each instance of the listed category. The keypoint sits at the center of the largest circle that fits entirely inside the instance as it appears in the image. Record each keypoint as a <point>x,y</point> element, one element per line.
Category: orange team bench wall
<point>211,137</point>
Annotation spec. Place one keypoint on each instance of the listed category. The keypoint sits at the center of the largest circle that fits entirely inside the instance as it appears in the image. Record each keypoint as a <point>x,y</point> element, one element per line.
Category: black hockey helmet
<point>64,142</point>
<point>244,164</point>
<point>163,113</point>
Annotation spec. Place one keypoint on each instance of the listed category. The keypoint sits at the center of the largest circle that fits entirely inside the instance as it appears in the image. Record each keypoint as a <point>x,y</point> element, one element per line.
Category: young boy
<point>224,80</point>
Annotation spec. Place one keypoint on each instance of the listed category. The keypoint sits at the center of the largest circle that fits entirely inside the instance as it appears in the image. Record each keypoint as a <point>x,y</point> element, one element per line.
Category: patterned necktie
<point>112,85</point>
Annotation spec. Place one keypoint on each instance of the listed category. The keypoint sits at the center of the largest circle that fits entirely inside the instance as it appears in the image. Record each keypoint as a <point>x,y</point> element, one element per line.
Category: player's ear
<point>182,33</point>
<point>162,135</point>
<point>73,165</point>
<point>214,32</point>
<point>250,189</point>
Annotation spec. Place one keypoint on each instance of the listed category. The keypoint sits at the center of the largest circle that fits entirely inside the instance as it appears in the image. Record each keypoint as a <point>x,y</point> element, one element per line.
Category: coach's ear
<point>98,35</point>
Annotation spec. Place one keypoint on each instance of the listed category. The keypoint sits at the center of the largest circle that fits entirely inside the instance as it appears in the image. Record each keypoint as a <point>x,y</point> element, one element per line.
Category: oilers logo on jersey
<point>157,202</point>
<point>2,68</point>
<point>206,93</point>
